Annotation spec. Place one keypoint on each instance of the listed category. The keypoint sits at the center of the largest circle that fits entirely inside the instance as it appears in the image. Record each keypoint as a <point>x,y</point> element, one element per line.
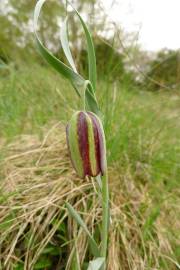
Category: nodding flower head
<point>86,144</point>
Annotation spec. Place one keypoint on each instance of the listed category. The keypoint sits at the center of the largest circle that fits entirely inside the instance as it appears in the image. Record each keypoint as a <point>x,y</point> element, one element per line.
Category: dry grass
<point>35,225</point>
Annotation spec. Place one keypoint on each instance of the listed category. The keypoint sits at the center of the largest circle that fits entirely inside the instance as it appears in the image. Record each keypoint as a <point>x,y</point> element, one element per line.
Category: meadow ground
<point>143,141</point>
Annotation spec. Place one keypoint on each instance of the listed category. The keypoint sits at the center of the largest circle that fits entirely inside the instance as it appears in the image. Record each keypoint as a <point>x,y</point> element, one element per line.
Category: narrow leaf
<point>76,216</point>
<point>65,45</point>
<point>63,69</point>
<point>90,50</point>
<point>90,98</point>
<point>96,264</point>
<point>91,101</point>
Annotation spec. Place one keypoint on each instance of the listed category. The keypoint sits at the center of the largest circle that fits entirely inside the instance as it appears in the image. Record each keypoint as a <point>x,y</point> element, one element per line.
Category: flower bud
<point>86,144</point>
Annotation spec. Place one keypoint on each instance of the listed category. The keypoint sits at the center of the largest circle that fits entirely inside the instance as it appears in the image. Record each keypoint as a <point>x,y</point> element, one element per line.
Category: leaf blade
<point>79,220</point>
<point>91,51</point>
<point>91,101</point>
<point>76,80</point>
<point>65,45</point>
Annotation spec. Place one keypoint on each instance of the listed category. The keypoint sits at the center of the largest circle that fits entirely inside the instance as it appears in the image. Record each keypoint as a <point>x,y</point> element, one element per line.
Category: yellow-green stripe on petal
<point>73,143</point>
<point>92,147</point>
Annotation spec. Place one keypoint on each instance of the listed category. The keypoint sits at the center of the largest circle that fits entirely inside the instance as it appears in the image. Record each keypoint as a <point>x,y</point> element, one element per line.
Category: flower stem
<point>105,217</point>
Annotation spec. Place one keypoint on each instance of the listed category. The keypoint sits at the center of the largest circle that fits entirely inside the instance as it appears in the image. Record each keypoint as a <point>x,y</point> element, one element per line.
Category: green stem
<point>84,95</point>
<point>105,217</point>
<point>84,99</point>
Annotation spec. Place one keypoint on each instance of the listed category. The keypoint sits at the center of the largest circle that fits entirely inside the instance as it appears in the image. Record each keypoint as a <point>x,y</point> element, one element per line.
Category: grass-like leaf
<point>65,45</point>
<point>90,50</point>
<point>63,69</point>
<point>90,98</point>
<point>76,216</point>
<point>96,264</point>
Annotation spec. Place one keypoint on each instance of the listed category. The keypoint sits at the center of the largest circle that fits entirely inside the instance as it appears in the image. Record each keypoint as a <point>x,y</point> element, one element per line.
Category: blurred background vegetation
<point>118,55</point>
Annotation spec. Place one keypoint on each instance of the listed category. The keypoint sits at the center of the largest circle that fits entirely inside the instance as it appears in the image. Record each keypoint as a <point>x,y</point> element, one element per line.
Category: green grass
<point>30,97</point>
<point>143,132</point>
<point>144,128</point>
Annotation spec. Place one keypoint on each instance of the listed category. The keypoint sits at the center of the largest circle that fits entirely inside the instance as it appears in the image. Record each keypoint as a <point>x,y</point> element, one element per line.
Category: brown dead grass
<point>38,179</point>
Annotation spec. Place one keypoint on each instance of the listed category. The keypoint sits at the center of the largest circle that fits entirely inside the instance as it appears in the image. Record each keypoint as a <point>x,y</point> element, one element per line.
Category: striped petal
<point>101,151</point>
<point>86,144</point>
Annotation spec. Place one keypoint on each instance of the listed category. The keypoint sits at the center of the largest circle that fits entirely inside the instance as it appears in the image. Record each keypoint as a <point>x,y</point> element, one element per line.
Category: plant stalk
<point>105,217</point>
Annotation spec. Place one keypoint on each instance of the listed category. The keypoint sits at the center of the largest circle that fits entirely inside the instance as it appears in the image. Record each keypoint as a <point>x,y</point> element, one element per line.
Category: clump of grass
<point>37,232</point>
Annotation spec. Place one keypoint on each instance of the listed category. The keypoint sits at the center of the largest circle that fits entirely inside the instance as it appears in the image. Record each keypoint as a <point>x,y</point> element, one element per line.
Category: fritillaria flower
<point>86,144</point>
